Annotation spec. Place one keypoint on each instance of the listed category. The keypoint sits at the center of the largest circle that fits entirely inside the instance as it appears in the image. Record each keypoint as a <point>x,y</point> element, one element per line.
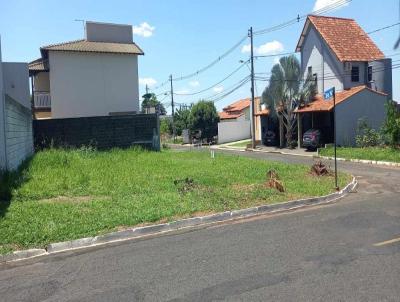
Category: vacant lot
<point>371,153</point>
<point>68,194</point>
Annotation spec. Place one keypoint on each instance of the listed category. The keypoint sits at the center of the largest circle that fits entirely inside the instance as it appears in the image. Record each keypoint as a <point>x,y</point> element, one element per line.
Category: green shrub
<point>391,126</point>
<point>366,136</point>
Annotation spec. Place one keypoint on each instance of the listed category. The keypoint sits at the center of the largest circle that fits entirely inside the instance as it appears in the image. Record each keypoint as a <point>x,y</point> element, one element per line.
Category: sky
<point>180,37</point>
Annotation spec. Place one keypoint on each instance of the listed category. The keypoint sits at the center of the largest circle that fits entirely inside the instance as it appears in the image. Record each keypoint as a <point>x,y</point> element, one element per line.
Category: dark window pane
<point>355,74</point>
<point>369,73</point>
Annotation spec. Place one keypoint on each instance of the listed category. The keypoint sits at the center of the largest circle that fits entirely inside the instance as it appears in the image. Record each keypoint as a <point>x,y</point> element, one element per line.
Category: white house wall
<point>233,131</point>
<point>16,82</point>
<point>107,32</point>
<point>365,104</point>
<point>3,162</point>
<point>92,84</point>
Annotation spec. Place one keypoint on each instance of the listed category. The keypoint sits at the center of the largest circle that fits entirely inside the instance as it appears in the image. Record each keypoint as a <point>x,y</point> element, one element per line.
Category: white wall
<point>234,131</point>
<point>16,82</point>
<point>92,84</point>
<point>107,32</point>
<point>3,163</point>
<point>19,135</point>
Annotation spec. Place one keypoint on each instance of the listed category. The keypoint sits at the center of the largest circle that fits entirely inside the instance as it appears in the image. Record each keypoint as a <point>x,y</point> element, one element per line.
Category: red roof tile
<point>319,104</point>
<point>238,105</point>
<point>229,115</point>
<point>345,37</point>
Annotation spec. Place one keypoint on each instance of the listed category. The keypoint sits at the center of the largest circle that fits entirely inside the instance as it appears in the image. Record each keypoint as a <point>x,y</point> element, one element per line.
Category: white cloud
<point>218,89</point>
<point>323,3</point>
<point>269,48</point>
<point>147,81</point>
<point>246,48</point>
<point>143,30</point>
<point>194,83</point>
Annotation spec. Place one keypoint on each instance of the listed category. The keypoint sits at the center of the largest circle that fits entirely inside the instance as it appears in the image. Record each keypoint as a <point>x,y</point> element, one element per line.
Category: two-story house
<point>235,121</point>
<point>338,53</point>
<point>95,76</point>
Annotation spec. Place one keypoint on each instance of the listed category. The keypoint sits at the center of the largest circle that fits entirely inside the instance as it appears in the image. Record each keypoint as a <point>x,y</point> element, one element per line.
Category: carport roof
<point>321,105</point>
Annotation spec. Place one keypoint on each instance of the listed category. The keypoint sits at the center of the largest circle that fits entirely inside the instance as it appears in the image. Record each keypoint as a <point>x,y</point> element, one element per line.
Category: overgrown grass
<point>370,153</point>
<point>69,194</point>
<point>241,144</point>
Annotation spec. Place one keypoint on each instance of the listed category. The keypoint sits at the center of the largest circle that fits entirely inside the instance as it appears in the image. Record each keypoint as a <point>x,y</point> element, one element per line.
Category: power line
<point>201,70</point>
<point>383,28</point>
<point>245,79</point>
<point>216,84</point>
<point>324,9</point>
<point>331,77</point>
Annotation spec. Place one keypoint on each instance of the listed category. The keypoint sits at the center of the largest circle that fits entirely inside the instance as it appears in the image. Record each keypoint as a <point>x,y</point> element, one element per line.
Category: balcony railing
<point>42,100</point>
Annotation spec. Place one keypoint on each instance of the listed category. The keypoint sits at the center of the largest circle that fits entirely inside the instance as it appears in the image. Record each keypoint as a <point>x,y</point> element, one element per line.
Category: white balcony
<point>41,100</point>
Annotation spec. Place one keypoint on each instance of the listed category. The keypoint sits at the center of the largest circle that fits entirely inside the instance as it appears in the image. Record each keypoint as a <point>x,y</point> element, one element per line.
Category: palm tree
<point>285,91</point>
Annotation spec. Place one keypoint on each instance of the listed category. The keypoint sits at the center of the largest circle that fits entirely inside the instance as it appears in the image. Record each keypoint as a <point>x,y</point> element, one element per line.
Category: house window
<point>369,73</point>
<point>309,70</point>
<point>315,77</point>
<point>355,74</point>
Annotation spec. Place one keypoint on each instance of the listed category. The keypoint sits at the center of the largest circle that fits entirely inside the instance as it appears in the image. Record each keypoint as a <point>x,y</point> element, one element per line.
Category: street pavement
<point>347,251</point>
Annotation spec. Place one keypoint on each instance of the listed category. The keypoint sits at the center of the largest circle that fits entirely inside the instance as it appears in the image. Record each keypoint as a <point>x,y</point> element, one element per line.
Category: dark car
<point>270,138</point>
<point>312,139</point>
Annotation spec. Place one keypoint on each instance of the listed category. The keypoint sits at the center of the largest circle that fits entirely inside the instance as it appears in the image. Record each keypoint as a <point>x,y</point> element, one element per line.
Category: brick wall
<point>19,137</point>
<point>103,132</point>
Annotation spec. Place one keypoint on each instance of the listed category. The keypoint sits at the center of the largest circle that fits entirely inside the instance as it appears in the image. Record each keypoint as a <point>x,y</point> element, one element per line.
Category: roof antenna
<point>83,25</point>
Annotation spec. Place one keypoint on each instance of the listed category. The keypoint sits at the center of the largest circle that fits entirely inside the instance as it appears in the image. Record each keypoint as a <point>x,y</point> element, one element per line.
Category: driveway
<point>341,252</point>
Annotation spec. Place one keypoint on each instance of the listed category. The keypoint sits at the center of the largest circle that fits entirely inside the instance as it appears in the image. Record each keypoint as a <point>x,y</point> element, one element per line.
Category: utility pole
<point>253,137</point>
<point>334,136</point>
<point>173,108</point>
<point>147,89</point>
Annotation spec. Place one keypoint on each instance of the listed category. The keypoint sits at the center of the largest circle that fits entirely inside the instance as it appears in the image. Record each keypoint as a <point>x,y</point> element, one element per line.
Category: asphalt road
<point>340,252</point>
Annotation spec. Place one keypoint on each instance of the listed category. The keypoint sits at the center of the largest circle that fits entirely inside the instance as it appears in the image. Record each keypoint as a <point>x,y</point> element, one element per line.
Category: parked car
<point>312,139</point>
<point>270,138</point>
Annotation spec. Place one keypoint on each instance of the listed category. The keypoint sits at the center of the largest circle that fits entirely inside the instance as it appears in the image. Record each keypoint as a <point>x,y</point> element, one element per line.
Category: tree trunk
<point>281,137</point>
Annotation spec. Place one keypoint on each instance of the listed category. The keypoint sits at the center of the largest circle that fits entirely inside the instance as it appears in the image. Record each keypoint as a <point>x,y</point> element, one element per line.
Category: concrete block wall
<point>18,133</point>
<point>102,132</point>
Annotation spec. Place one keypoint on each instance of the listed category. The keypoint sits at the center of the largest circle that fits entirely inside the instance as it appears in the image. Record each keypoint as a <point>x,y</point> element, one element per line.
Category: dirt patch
<point>73,199</point>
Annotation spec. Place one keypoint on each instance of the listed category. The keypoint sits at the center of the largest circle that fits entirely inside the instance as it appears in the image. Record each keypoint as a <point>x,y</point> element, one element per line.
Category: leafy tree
<point>150,100</point>
<point>391,126</point>
<point>181,119</point>
<point>204,116</point>
<point>165,126</point>
<point>286,90</point>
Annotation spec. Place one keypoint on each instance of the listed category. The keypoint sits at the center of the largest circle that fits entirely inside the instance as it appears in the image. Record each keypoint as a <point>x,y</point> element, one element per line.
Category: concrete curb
<point>264,151</point>
<point>364,161</point>
<point>138,232</point>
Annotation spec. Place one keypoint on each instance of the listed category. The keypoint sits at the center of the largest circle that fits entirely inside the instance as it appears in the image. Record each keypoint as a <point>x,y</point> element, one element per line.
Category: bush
<point>366,136</point>
<point>165,126</point>
<point>391,127</point>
